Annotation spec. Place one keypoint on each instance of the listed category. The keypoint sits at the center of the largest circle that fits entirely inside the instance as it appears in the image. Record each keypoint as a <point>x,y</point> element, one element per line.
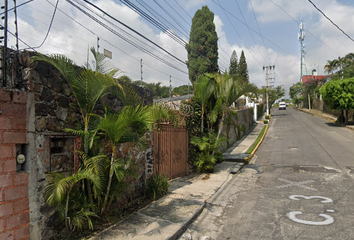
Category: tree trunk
<point>86,147</point>
<point>221,125</point>
<point>66,212</point>
<point>346,116</point>
<point>111,171</point>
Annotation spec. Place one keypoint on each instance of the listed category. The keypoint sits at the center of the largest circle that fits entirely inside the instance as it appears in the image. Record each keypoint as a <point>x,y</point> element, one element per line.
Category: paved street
<point>299,185</point>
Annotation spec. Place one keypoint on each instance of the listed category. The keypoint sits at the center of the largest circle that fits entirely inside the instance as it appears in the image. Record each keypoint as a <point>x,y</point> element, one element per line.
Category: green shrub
<point>265,121</point>
<point>267,117</point>
<point>209,153</point>
<point>157,186</point>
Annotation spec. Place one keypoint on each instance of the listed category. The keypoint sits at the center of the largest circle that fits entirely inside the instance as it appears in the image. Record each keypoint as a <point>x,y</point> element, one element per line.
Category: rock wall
<point>39,113</point>
<point>237,123</point>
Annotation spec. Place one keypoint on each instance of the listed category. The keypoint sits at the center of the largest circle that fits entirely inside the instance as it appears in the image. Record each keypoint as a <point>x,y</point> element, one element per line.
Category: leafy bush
<point>157,186</point>
<point>265,121</point>
<point>209,153</point>
<point>267,117</point>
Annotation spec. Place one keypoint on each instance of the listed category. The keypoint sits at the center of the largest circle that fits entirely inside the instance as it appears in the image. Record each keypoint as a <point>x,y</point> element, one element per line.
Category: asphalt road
<point>300,185</point>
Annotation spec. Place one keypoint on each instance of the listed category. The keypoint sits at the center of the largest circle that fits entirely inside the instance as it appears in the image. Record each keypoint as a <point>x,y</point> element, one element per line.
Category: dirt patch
<point>206,177</point>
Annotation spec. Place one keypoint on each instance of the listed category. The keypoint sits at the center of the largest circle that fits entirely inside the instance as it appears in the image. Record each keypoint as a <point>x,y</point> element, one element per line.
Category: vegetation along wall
<point>33,117</point>
<point>237,124</point>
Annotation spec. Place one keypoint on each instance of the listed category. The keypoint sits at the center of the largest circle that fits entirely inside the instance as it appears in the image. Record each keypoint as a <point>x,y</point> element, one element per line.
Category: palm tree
<point>203,90</point>
<point>127,126</point>
<point>60,186</point>
<point>100,64</point>
<point>87,86</point>
<point>227,92</point>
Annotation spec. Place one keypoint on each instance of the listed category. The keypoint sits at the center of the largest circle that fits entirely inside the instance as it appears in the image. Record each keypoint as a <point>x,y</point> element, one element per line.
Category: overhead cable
<point>331,20</point>
<point>50,26</point>
<point>299,23</point>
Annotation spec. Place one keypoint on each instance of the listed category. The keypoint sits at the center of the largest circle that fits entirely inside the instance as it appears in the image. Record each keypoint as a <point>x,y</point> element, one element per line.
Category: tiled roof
<point>308,78</point>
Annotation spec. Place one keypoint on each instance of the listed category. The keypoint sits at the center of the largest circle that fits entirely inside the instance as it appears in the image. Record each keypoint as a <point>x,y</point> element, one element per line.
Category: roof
<point>309,78</point>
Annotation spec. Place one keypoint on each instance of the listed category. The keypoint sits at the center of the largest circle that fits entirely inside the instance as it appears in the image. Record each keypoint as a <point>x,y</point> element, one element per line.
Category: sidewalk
<point>169,217</point>
<point>323,115</point>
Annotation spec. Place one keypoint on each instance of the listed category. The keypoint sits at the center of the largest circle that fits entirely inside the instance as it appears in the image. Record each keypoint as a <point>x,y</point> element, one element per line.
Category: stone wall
<point>33,120</point>
<point>14,201</point>
<point>237,123</point>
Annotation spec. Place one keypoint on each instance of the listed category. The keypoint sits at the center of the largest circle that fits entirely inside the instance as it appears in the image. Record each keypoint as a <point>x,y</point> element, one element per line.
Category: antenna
<point>301,37</point>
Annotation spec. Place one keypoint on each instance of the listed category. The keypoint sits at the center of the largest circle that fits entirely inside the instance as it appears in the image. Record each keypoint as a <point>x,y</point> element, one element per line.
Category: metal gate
<point>170,151</point>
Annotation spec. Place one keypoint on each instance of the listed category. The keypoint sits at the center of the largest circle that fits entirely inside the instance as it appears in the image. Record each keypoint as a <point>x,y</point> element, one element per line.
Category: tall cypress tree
<point>233,64</point>
<point>203,45</point>
<point>242,68</point>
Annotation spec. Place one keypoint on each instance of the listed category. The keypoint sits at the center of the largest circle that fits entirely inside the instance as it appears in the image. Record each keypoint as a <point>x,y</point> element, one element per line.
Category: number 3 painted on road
<point>293,215</point>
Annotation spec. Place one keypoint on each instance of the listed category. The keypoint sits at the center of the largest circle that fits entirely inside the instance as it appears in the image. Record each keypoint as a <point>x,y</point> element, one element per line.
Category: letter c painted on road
<point>293,216</point>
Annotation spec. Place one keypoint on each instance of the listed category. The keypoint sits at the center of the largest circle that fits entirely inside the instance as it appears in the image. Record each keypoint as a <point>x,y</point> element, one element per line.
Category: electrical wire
<point>139,46</point>
<point>260,32</point>
<point>299,23</point>
<point>158,25</point>
<point>20,40</point>
<point>113,45</point>
<point>49,28</point>
<point>171,16</point>
<point>330,20</point>
<point>130,41</point>
<point>248,28</point>
<point>20,5</point>
<point>218,3</point>
<point>251,28</point>
<point>133,30</point>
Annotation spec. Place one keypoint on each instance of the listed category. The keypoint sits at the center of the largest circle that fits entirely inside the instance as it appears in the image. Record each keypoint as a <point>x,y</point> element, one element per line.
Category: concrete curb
<point>185,226</point>
<point>249,158</point>
<point>330,119</point>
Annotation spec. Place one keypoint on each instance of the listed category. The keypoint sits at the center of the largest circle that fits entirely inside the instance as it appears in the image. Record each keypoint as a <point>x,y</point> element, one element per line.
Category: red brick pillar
<point>14,205</point>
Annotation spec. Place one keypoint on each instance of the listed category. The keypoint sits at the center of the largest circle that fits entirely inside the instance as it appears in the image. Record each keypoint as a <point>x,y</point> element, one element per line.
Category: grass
<point>250,150</point>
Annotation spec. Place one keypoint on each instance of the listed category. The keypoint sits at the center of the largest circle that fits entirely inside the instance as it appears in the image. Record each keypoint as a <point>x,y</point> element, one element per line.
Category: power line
<point>299,23</point>
<point>139,46</point>
<point>17,6</point>
<point>50,26</point>
<point>218,3</point>
<point>112,45</point>
<point>331,20</point>
<point>251,28</point>
<point>248,28</point>
<point>260,32</point>
<point>133,30</point>
<point>160,26</point>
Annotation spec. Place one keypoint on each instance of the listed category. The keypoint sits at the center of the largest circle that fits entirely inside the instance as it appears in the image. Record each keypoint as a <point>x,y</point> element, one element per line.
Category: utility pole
<point>141,72</point>
<point>4,50</point>
<point>268,68</point>
<point>170,88</point>
<point>16,26</point>
<point>301,36</point>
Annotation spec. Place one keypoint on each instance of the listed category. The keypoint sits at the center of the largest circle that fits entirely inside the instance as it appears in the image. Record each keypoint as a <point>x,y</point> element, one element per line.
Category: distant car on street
<point>282,105</point>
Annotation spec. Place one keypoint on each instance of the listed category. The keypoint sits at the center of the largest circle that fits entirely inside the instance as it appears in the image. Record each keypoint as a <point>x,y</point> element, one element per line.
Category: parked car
<point>282,105</point>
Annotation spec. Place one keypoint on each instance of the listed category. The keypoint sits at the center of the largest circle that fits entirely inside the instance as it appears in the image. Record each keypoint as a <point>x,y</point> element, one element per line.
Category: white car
<point>282,105</point>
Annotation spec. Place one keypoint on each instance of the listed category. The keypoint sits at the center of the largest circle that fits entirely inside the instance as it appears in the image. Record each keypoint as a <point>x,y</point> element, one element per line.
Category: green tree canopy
<point>295,90</point>
<point>339,94</point>
<point>203,45</point>
<point>242,68</point>
<point>182,90</point>
<point>233,64</point>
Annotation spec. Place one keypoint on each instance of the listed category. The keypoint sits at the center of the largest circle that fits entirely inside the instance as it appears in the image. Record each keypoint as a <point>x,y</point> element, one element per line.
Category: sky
<point>266,30</point>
